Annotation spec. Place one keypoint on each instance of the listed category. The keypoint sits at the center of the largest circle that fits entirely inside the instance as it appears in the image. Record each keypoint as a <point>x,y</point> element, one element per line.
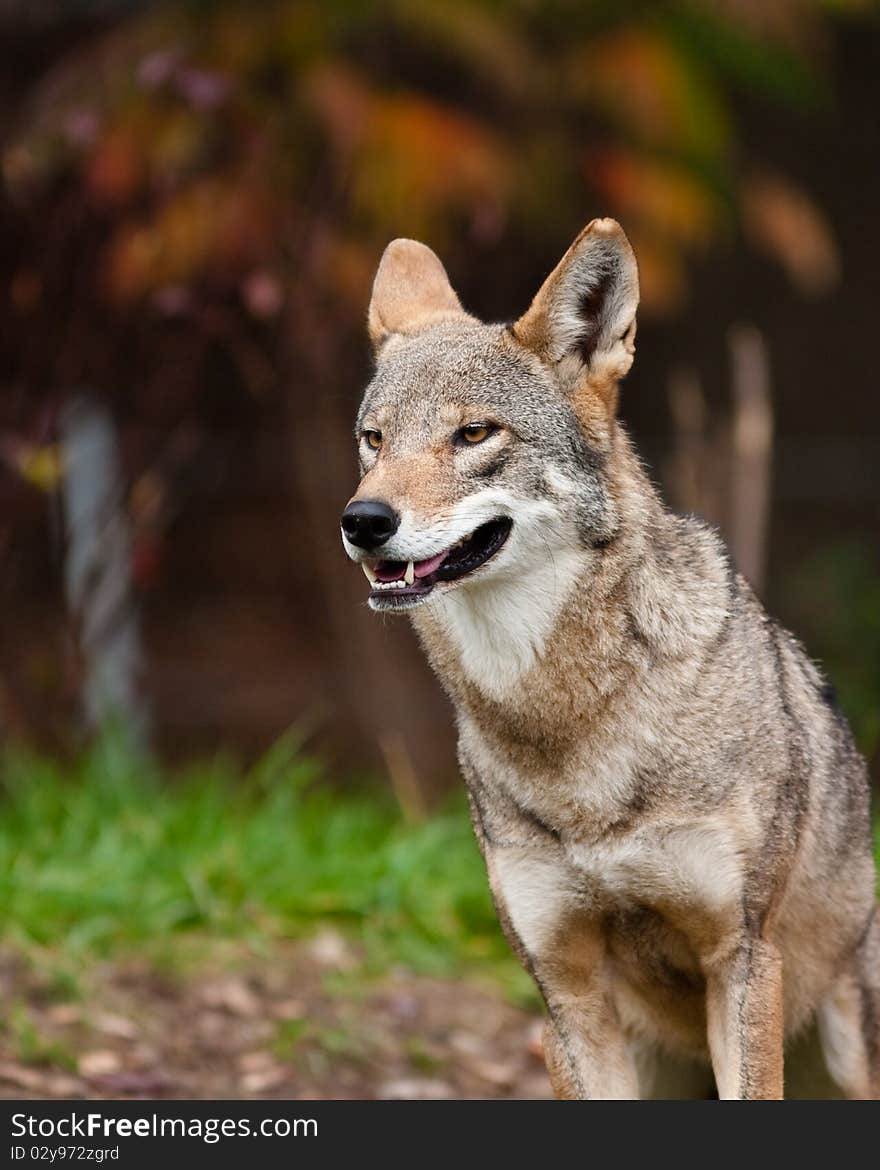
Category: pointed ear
<point>583,320</point>
<point>411,292</point>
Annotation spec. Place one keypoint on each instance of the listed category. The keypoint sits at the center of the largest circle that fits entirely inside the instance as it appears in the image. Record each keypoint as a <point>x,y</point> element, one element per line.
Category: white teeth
<point>368,573</point>
<point>401,584</point>
<point>410,575</point>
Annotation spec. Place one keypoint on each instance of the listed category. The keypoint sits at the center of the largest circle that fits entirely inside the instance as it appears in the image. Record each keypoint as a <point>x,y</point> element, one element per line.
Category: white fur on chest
<point>684,861</point>
<point>675,869</point>
<point>695,863</point>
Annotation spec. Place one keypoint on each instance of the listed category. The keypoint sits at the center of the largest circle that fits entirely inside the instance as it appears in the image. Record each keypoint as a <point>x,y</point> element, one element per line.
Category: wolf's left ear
<point>583,320</point>
<point>411,292</point>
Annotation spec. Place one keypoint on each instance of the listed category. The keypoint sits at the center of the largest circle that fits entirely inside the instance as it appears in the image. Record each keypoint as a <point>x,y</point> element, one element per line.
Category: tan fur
<point>673,817</point>
<point>411,292</point>
<point>595,392</point>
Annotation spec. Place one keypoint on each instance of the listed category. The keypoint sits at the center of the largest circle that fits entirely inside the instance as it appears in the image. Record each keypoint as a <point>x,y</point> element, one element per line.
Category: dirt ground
<point>303,1023</point>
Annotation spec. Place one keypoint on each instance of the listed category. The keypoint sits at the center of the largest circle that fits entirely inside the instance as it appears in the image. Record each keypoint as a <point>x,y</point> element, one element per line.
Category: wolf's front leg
<point>585,1051</point>
<point>561,946</point>
<point>544,912</point>
<point>744,1013</point>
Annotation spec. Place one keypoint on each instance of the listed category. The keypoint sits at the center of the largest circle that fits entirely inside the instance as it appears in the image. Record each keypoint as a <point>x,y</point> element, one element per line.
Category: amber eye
<point>476,432</point>
<point>374,439</point>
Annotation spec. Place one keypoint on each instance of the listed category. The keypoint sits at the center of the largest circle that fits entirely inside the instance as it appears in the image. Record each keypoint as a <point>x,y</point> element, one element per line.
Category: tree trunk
<point>97,570</point>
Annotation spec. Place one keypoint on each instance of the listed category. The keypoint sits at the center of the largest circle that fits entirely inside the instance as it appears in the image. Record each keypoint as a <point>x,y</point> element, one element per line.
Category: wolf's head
<point>483,448</point>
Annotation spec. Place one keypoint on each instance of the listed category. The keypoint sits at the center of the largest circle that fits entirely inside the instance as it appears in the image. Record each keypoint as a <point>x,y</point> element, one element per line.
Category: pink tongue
<point>395,570</point>
<point>425,568</point>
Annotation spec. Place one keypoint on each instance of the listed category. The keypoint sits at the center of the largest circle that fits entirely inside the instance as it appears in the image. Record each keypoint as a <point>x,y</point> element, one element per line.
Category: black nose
<point>369,523</point>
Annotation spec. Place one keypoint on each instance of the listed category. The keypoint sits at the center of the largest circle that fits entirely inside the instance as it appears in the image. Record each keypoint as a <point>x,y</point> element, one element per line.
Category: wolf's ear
<point>583,320</point>
<point>411,292</point>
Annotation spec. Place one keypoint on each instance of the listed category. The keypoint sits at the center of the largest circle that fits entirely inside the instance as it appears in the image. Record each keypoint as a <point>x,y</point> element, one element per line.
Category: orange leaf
<point>783,222</point>
<point>663,195</point>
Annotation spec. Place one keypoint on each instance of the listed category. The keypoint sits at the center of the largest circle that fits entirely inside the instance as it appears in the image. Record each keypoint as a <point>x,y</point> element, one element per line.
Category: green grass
<point>109,856</point>
<point>28,1042</point>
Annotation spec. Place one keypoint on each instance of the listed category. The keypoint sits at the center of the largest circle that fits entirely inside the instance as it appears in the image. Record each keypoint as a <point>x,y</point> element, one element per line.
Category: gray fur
<point>674,817</point>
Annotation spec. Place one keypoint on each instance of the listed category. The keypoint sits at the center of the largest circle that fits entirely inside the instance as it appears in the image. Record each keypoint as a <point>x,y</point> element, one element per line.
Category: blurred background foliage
<point>209,142</point>
<point>194,199</point>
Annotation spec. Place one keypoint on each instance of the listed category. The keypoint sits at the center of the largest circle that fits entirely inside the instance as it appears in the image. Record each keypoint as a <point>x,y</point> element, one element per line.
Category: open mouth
<point>403,582</point>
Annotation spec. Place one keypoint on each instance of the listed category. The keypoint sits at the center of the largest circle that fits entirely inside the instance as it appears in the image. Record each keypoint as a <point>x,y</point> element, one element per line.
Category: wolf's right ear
<point>411,292</point>
<point>583,320</point>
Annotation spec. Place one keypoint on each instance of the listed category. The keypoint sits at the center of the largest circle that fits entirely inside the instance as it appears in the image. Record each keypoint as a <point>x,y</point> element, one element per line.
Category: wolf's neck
<point>499,632</point>
<point>565,636</point>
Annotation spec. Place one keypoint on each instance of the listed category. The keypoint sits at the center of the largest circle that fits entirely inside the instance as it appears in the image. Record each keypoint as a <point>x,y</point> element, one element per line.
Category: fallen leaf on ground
<point>99,1063</point>
<point>113,1025</point>
<point>414,1089</point>
<point>233,995</point>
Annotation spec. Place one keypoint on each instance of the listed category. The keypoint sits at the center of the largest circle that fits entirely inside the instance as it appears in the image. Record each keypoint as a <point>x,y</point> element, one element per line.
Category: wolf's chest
<point>574,792</point>
<point>611,855</point>
<point>677,869</point>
